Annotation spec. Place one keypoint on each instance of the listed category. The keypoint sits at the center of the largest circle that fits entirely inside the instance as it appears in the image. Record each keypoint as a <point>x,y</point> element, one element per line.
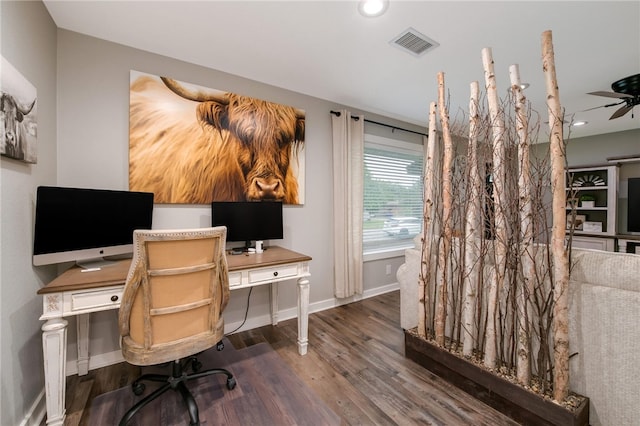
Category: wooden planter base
<point>510,399</point>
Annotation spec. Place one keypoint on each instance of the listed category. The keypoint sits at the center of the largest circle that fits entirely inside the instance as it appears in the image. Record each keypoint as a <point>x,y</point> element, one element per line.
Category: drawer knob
<point>275,274</point>
<point>114,298</point>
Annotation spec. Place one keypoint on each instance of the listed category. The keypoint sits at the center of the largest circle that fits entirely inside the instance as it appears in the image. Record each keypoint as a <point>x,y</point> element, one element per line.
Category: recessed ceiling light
<point>372,8</point>
<point>580,123</point>
<point>522,86</point>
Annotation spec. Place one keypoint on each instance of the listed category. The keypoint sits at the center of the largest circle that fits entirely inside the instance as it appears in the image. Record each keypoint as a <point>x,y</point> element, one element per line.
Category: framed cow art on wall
<point>18,115</point>
<point>190,144</point>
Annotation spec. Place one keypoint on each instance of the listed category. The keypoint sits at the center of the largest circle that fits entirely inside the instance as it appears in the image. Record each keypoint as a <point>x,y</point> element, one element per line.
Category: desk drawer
<point>96,299</point>
<point>276,273</point>
<point>235,279</point>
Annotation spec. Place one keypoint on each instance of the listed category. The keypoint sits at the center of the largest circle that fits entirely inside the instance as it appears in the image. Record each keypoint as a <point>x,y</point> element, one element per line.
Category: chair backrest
<point>176,290</point>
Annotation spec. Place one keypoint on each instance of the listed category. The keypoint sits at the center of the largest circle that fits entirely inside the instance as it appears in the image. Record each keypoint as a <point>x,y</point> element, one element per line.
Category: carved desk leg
<point>54,347</point>
<point>273,296</point>
<point>82,325</point>
<point>303,315</point>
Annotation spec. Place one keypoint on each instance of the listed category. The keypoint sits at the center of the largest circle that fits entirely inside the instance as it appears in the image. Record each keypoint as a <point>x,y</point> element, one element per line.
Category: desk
<point>77,293</point>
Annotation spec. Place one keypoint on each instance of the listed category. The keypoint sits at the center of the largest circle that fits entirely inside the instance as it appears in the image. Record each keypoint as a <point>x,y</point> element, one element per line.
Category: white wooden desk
<point>77,293</point>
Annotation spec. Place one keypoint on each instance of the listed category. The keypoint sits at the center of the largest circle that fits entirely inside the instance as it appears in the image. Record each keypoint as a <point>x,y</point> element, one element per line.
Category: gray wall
<point>28,38</point>
<point>596,149</point>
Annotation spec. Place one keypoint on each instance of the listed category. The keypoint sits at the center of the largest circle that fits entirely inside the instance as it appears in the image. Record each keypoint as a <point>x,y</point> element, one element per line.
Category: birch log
<point>525,290</point>
<point>499,204</point>
<point>472,228</point>
<point>426,279</point>
<point>447,230</point>
<point>558,251</point>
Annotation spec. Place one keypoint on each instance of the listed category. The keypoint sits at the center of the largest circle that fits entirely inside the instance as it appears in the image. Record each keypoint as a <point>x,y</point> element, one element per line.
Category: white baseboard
<point>96,361</point>
<point>322,305</point>
<point>253,322</point>
<point>36,413</point>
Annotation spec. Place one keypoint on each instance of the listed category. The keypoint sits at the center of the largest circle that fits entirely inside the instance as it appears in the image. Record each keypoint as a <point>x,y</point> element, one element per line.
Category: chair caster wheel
<point>220,346</point>
<point>138,388</point>
<point>231,383</point>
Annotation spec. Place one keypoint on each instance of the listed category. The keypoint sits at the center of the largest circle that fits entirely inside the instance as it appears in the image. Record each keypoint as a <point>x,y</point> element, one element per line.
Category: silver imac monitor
<point>87,225</point>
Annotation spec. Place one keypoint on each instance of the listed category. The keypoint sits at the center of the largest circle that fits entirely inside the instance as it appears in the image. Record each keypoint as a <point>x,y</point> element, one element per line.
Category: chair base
<point>176,381</point>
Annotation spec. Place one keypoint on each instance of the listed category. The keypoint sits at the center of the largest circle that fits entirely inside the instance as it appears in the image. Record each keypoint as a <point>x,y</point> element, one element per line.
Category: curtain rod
<point>338,113</point>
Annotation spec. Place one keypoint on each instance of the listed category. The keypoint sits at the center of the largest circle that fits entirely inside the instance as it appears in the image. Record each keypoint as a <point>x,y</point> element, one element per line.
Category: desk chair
<point>171,309</point>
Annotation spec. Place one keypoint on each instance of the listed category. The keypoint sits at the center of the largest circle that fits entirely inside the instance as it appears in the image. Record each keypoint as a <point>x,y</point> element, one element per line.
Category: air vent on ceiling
<point>414,42</point>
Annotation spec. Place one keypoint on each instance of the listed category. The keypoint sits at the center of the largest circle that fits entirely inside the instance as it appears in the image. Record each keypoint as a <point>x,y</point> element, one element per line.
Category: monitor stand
<point>95,264</point>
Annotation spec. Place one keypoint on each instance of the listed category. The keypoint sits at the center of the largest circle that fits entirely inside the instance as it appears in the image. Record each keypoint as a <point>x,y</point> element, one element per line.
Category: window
<point>393,182</point>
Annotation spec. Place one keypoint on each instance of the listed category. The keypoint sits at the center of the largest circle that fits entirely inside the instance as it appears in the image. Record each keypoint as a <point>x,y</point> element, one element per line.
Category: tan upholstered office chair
<point>171,309</point>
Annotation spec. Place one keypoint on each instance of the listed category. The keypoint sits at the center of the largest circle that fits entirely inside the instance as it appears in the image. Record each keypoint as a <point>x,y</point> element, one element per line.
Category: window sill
<point>385,253</point>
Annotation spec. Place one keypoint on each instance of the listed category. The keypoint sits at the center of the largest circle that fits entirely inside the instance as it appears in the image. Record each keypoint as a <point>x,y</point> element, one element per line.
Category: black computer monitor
<point>249,221</point>
<point>85,225</point>
<point>633,206</point>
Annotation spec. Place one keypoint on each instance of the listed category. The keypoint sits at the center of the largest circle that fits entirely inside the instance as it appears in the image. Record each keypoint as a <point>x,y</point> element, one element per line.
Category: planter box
<point>588,204</point>
<point>509,398</point>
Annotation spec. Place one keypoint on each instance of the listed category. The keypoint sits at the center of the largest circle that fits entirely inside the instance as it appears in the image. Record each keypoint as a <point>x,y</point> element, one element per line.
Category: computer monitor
<point>86,225</point>
<point>633,206</point>
<point>249,221</point>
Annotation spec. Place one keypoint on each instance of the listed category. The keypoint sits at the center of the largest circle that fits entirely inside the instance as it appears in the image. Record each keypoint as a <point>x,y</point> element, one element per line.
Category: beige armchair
<point>171,308</point>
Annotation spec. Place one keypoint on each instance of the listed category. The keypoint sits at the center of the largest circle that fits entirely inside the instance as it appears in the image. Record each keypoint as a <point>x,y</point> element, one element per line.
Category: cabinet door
<point>604,244</point>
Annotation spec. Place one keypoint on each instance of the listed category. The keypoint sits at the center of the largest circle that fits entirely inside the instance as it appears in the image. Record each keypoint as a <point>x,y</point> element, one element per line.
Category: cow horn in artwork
<point>194,95</point>
<point>22,108</point>
<point>25,109</point>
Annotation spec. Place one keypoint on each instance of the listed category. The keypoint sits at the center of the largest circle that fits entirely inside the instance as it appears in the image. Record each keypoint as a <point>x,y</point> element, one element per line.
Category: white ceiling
<point>327,50</point>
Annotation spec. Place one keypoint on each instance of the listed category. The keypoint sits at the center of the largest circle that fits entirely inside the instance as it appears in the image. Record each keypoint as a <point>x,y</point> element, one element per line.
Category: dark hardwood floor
<point>355,363</point>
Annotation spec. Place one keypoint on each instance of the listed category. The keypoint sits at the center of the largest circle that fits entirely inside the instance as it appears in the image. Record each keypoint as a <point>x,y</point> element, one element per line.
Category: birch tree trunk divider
<point>445,244</point>
<point>472,226</point>
<point>493,282</point>
<point>558,250</point>
<point>499,203</point>
<point>429,217</point>
<point>525,289</point>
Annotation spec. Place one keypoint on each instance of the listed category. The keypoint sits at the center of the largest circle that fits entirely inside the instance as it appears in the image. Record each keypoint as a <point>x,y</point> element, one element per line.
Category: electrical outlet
<point>388,269</point>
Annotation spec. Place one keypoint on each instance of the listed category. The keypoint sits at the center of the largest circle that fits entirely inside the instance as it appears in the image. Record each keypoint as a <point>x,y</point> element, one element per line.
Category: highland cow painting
<point>18,115</point>
<point>193,145</point>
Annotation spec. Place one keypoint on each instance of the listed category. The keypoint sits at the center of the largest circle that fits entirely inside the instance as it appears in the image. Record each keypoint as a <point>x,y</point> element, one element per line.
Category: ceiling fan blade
<point>622,111</point>
<point>603,106</point>
<point>611,94</point>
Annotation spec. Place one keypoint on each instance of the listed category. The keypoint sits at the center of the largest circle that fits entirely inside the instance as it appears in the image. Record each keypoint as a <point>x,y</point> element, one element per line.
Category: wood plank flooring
<point>355,364</point>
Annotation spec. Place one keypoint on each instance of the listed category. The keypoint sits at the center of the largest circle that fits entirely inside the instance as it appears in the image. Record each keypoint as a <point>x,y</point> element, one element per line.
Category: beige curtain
<point>348,166</point>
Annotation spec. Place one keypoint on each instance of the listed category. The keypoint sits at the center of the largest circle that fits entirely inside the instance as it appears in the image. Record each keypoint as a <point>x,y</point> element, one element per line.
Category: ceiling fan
<point>627,89</point>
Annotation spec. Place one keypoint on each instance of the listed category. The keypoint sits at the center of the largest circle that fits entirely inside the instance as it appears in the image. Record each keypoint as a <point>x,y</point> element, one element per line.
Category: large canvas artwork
<point>18,115</point>
<point>193,145</point>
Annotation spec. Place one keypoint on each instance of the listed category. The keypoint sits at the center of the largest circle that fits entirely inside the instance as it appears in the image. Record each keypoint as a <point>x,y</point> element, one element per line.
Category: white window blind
<point>393,182</point>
